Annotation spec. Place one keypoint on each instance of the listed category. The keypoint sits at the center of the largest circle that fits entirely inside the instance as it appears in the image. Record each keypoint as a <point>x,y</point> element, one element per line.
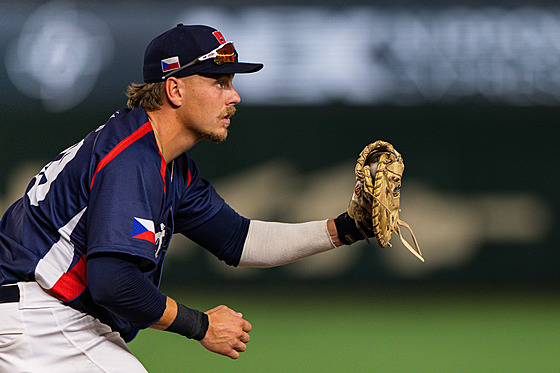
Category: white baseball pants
<point>40,334</point>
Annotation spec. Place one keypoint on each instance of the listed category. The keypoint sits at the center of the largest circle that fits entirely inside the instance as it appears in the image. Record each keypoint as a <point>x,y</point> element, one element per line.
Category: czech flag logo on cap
<point>143,229</point>
<point>170,63</point>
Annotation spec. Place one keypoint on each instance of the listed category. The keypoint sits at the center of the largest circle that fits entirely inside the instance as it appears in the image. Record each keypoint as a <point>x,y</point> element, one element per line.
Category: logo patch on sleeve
<point>143,229</point>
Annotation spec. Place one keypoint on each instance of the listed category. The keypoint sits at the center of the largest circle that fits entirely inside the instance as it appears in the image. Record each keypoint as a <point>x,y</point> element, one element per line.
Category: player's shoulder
<point>126,122</point>
<point>125,128</point>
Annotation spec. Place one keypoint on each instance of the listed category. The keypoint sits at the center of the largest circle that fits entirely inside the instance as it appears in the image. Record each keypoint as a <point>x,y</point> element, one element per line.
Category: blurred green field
<point>354,328</point>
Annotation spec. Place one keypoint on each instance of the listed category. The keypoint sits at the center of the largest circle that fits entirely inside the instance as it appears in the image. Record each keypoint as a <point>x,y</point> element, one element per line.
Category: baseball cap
<point>192,49</point>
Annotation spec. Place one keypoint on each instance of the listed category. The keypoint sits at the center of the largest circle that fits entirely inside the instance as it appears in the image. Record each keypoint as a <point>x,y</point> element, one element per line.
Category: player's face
<point>208,104</point>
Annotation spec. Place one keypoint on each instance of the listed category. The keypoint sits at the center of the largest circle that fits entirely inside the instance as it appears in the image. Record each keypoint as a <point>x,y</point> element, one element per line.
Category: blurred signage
<point>364,55</point>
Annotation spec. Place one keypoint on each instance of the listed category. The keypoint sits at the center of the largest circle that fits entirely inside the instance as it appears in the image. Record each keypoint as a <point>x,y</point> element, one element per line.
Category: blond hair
<point>146,95</point>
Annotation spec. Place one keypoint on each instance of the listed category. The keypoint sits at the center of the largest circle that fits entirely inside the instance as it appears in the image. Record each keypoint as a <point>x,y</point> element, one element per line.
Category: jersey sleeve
<point>127,196</point>
<point>199,201</point>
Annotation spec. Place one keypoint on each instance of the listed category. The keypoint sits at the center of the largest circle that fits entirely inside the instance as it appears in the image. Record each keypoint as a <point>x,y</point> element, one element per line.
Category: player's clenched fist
<point>227,332</point>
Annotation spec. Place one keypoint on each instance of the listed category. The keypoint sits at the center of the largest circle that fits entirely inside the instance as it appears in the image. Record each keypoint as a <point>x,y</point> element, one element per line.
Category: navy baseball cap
<point>194,49</point>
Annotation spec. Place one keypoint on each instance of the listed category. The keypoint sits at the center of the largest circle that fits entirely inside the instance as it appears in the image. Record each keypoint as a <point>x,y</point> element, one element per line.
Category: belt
<point>9,293</point>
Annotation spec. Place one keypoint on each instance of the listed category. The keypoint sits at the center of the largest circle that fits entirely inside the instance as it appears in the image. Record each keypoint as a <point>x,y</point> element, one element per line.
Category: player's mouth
<point>225,121</point>
<point>225,118</point>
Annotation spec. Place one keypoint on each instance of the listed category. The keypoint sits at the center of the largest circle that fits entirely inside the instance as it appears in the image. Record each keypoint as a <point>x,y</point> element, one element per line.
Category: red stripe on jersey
<point>147,127</point>
<point>72,283</point>
<point>162,172</point>
<point>188,178</point>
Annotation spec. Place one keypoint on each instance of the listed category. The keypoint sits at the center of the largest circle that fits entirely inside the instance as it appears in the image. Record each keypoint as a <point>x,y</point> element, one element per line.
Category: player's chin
<point>218,136</point>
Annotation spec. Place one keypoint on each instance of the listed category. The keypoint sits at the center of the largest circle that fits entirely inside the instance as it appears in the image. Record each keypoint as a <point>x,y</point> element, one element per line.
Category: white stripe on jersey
<point>59,258</point>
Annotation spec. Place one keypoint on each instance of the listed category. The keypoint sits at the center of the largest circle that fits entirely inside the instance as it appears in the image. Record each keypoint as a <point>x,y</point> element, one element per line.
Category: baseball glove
<point>375,204</point>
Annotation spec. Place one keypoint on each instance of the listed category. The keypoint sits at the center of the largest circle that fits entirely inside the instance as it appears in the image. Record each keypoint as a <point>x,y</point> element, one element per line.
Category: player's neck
<point>171,140</point>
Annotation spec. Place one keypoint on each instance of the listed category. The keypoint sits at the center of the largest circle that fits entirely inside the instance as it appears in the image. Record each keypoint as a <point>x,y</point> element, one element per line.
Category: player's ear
<point>172,90</point>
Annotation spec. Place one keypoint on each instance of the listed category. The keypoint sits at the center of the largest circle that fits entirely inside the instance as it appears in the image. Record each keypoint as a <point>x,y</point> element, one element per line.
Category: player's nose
<point>234,97</point>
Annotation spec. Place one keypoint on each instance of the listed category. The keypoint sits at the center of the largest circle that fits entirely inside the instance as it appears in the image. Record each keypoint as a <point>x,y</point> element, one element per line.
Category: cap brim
<point>209,67</point>
<point>233,68</point>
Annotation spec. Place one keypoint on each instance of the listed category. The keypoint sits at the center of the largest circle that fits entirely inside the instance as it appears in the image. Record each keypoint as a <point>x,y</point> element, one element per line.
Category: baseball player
<point>81,253</point>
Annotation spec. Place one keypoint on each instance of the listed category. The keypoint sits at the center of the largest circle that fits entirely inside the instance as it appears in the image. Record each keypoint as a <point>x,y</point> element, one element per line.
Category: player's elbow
<point>101,283</point>
<point>102,295</point>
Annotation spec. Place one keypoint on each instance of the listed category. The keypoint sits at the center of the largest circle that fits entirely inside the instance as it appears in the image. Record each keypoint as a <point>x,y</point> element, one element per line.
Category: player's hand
<point>227,332</point>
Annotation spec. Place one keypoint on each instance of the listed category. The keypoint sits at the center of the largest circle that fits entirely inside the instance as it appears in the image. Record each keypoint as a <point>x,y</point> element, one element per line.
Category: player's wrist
<point>189,322</point>
<point>333,233</point>
<point>348,231</point>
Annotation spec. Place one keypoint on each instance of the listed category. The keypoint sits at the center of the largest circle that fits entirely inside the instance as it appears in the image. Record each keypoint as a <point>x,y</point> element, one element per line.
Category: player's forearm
<point>169,315</point>
<point>180,319</point>
<point>271,244</point>
<point>118,285</point>
<point>183,320</point>
<point>138,301</point>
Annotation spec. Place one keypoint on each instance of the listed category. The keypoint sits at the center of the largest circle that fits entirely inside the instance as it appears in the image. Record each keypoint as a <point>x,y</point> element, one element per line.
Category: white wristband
<point>270,244</point>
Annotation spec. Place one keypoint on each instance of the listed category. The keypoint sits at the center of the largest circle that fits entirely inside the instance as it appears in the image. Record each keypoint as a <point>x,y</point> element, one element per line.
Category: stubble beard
<point>220,136</point>
<point>217,137</point>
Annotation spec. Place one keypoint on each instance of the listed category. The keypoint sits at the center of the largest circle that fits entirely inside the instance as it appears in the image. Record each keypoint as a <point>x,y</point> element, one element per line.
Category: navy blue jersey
<point>110,193</point>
